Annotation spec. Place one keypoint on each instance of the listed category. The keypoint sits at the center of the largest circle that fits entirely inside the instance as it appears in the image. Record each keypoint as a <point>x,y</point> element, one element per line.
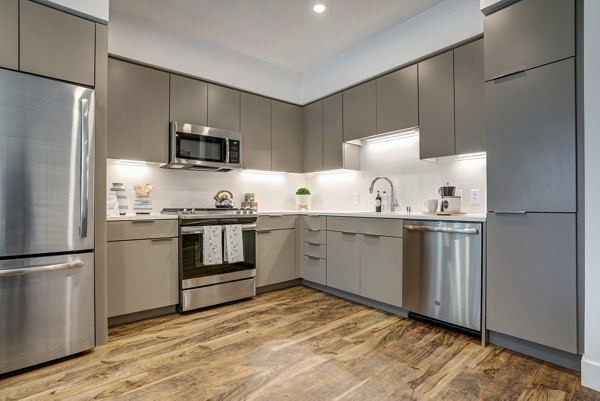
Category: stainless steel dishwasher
<point>442,271</point>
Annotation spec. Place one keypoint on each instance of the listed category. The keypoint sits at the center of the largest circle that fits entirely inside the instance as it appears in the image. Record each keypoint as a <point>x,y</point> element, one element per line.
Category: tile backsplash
<point>414,181</point>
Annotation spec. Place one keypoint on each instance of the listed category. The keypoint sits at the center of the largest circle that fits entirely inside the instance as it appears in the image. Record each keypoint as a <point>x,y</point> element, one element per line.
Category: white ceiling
<point>285,33</point>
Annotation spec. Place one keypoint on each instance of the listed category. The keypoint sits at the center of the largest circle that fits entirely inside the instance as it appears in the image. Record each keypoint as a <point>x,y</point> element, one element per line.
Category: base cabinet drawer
<point>142,275</point>
<point>314,235</point>
<point>275,222</point>
<point>314,249</point>
<point>141,229</point>
<point>314,269</point>
<point>275,256</point>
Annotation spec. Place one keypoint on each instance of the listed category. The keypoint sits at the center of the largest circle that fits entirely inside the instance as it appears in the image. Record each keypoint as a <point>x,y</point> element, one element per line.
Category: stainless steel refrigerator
<point>46,220</point>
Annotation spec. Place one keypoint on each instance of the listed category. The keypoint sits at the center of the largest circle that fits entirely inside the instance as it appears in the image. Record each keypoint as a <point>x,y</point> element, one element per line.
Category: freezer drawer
<point>442,271</point>
<point>47,305</point>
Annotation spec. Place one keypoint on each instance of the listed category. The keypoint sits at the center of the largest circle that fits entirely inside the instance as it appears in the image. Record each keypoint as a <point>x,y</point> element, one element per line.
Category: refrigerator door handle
<point>76,264</point>
<point>85,162</point>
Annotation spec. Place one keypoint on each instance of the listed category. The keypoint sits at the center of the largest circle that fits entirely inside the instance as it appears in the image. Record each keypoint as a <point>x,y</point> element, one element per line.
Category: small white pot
<point>303,202</point>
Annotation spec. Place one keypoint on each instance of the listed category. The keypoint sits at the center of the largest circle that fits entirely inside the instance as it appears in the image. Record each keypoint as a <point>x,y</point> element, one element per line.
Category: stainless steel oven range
<point>203,284</point>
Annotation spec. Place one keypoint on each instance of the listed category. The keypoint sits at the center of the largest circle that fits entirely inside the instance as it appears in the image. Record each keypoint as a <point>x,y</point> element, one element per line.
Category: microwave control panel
<point>234,151</point>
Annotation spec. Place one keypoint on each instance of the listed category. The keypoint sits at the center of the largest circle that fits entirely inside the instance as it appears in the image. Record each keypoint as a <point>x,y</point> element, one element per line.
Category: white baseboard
<point>590,373</point>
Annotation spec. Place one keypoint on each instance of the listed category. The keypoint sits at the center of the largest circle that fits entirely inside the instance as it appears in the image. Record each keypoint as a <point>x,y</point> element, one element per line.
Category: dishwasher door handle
<point>447,230</point>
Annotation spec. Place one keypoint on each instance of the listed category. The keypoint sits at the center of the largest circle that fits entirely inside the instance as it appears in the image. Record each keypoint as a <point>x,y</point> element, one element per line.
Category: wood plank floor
<point>294,344</point>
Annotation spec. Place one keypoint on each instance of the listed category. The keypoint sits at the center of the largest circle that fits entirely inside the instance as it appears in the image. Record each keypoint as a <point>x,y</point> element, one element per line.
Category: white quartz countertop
<point>398,215</point>
<point>151,216</point>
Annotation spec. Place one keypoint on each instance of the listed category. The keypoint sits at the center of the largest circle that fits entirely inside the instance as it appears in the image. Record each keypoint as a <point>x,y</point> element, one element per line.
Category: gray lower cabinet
<point>314,269</point>
<point>397,100</point>
<point>436,106</point>
<point>9,34</point>
<point>381,269</point>
<point>256,132</point>
<point>343,261</point>
<point>312,137</point>
<point>223,108</point>
<point>530,128</point>
<point>142,265</point>
<point>56,44</point>
<point>286,131</point>
<point>138,112</point>
<point>275,256</point>
<point>531,278</point>
<point>469,98</point>
<point>528,34</point>
<point>360,111</point>
<point>188,100</point>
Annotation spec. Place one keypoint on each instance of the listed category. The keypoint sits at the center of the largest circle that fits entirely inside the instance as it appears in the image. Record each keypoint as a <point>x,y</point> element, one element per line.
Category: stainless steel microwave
<point>195,147</point>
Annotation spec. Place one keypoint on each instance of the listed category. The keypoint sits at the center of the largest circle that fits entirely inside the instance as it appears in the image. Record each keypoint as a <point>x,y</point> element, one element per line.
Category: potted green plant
<point>303,198</point>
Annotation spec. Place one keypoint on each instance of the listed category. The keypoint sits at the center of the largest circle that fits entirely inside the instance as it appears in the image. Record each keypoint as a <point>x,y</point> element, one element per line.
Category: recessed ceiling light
<point>319,8</point>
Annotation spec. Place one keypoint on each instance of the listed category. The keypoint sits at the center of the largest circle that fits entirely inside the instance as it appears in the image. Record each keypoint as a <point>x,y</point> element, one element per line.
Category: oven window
<point>199,147</point>
<point>191,250</point>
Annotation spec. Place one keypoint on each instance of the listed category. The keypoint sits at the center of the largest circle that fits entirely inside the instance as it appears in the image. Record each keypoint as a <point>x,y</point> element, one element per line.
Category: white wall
<point>442,25</point>
<point>135,39</point>
<point>97,9</point>
<point>590,365</point>
<point>175,188</point>
<point>414,180</point>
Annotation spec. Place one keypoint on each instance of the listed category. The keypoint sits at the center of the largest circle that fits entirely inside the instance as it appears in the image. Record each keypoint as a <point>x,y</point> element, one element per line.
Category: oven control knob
<point>193,211</point>
<point>184,211</point>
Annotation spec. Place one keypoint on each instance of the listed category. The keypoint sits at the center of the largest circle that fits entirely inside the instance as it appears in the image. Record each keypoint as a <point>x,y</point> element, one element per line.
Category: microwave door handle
<point>226,150</point>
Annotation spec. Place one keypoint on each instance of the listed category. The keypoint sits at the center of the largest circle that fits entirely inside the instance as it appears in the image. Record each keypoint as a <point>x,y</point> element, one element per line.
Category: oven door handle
<point>200,229</point>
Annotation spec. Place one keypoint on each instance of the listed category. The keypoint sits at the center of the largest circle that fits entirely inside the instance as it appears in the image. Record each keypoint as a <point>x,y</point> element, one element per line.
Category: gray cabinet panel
<point>343,261</point>
<point>398,100</point>
<point>469,98</point>
<point>138,112</point>
<point>360,111</point>
<point>312,137</point>
<point>530,128</point>
<point>141,275</point>
<point>256,132</point>
<point>9,34</point>
<point>381,269</point>
<point>333,133</point>
<point>528,34</point>
<point>314,269</point>
<point>56,44</point>
<point>188,100</point>
<point>286,131</point>
<point>436,106</point>
<point>531,278</point>
<point>275,256</point>
<point>223,107</point>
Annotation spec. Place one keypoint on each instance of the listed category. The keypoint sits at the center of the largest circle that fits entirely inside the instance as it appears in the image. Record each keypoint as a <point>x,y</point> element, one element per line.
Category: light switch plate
<point>475,197</point>
<point>356,198</point>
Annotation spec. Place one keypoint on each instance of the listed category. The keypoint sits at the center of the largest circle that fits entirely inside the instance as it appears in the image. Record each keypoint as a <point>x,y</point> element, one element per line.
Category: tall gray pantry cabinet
<point>531,173</point>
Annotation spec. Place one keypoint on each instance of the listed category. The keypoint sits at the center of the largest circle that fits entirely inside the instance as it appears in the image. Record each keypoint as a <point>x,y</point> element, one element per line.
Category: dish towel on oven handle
<point>234,244</point>
<point>212,245</point>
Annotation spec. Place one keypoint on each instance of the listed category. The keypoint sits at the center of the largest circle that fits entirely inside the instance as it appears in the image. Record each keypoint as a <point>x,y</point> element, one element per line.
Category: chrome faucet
<point>394,201</point>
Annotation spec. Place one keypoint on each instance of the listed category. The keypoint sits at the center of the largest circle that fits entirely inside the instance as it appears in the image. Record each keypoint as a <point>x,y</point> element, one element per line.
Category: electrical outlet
<point>356,198</point>
<point>475,197</point>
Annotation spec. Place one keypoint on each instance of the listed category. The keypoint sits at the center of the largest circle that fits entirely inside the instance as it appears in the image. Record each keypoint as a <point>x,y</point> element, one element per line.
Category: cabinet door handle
<point>348,233</point>
<point>274,215</point>
<point>508,74</point>
<point>313,243</point>
<point>142,221</point>
<point>160,239</point>
<point>510,212</point>
<point>314,230</point>
<point>263,231</point>
<point>313,257</point>
<point>372,235</point>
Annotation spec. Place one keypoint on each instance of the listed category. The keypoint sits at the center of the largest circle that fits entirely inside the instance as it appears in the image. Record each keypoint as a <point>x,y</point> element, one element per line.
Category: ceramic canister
<point>119,189</point>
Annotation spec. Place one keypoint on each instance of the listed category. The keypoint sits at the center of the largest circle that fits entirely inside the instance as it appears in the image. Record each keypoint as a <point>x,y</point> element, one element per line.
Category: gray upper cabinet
<point>286,130</point>
<point>256,132</point>
<point>223,108</point>
<point>312,137</point>
<point>138,112</point>
<point>469,98</point>
<point>336,153</point>
<point>9,34</point>
<point>397,100</point>
<point>530,128</point>
<point>360,111</point>
<point>528,34</point>
<point>188,100</point>
<point>56,44</point>
<point>436,106</point>
<point>532,295</point>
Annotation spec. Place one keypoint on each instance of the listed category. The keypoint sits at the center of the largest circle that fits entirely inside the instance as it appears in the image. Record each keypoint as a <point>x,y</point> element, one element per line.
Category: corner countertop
<point>137,217</point>
<point>398,215</point>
